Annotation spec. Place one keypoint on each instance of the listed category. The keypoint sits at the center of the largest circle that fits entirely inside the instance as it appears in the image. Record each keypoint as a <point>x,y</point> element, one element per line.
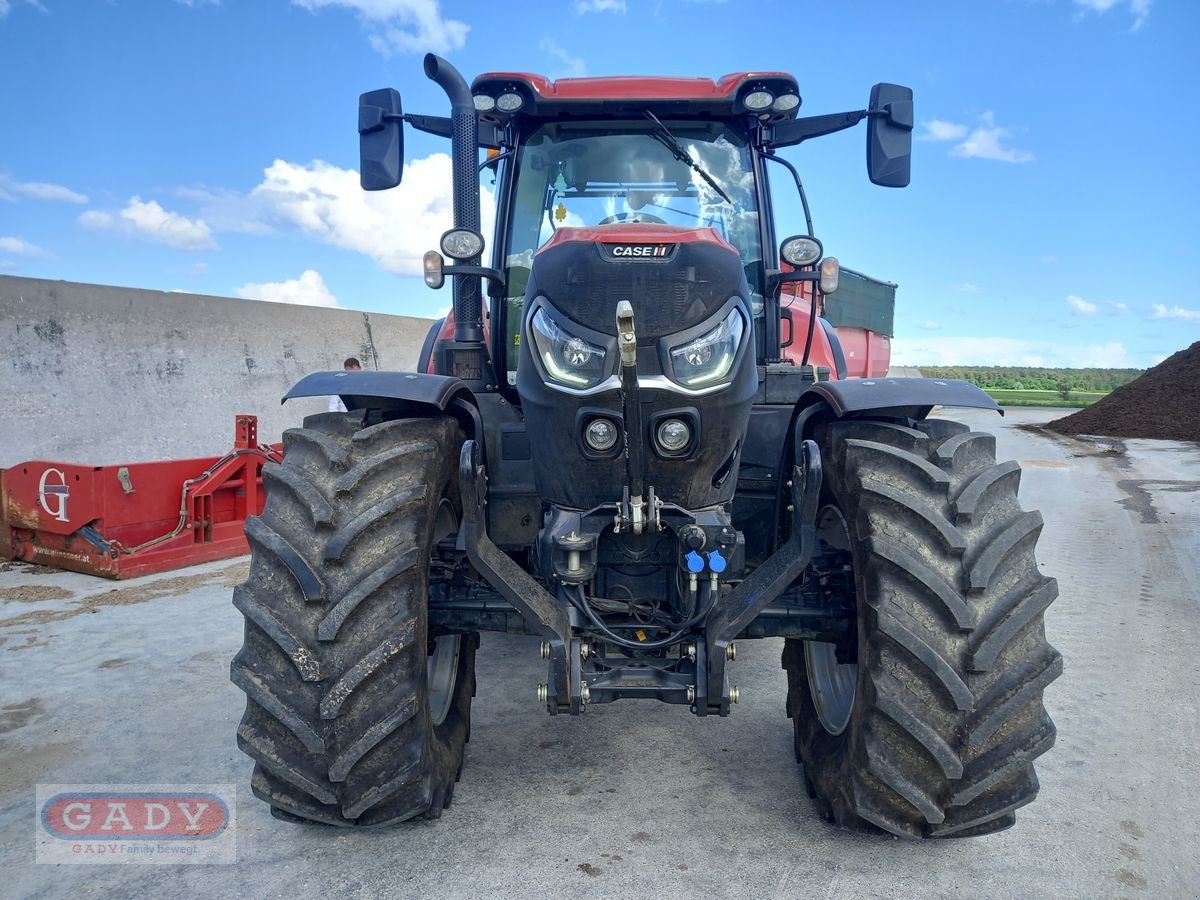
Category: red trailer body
<point>868,353</point>
<point>125,520</point>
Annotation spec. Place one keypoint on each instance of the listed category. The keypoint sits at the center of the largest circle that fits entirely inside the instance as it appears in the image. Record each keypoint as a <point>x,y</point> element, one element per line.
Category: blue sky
<point>211,147</point>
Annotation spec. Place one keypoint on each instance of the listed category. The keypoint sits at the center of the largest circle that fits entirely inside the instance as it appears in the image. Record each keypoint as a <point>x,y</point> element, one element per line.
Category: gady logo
<point>135,824</point>
<point>54,493</point>
<point>134,816</point>
<point>640,251</point>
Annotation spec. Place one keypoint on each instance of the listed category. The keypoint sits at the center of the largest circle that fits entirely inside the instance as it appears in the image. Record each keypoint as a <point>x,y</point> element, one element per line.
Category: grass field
<point>1078,399</point>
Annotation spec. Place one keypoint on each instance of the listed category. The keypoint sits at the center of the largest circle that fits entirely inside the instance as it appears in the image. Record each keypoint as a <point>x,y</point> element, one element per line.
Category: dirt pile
<point>1162,404</point>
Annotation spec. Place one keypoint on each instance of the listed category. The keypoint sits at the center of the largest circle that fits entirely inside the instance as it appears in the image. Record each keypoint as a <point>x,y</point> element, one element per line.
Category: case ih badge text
<point>135,824</point>
<point>641,251</point>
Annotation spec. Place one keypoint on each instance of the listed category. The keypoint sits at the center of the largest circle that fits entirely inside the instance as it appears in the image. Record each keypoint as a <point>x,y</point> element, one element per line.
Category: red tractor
<point>617,455</point>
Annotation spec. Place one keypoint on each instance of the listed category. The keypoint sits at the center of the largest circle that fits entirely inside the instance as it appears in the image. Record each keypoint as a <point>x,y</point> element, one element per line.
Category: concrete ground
<point>127,682</point>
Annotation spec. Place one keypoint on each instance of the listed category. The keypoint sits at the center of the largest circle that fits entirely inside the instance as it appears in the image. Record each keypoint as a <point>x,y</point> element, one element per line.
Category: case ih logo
<point>641,251</point>
<point>121,817</point>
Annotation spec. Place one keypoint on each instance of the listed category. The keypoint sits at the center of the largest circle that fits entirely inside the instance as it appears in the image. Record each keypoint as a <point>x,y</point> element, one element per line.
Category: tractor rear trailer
<point>634,438</point>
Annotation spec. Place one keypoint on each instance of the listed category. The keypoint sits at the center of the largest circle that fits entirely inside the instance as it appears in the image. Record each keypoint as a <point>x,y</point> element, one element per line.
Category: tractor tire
<point>933,730</point>
<point>355,714</point>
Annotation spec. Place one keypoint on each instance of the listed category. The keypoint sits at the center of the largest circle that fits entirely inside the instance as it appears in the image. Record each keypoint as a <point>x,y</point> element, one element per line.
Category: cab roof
<point>543,96</point>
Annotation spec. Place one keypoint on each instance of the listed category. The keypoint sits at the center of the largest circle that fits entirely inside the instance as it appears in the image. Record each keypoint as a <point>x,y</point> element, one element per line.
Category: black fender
<point>839,355</point>
<point>430,342</point>
<point>912,397</point>
<point>395,391</point>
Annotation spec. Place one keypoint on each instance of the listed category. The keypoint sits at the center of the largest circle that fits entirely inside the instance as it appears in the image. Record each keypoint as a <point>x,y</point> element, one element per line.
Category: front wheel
<point>355,713</point>
<point>930,726</point>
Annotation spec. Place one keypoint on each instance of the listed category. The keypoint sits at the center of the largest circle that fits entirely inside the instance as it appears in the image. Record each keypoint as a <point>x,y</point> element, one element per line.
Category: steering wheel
<point>632,217</point>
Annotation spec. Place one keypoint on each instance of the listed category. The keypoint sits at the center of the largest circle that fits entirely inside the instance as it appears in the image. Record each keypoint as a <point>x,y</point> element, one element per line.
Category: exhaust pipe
<point>464,152</point>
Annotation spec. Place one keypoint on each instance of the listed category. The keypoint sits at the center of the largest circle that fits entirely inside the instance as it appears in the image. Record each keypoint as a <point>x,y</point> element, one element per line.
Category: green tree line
<point>1036,379</point>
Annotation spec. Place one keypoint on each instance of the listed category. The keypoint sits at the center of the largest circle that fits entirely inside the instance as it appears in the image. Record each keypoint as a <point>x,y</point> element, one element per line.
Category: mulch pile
<point>1161,404</point>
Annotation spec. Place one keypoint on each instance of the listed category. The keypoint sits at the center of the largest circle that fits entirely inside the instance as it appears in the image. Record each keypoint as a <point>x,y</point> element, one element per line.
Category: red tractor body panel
<point>637,233</point>
<point>630,87</point>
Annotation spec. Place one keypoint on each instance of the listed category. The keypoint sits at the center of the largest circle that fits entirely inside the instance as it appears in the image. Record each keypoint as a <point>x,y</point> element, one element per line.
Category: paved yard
<point>128,682</point>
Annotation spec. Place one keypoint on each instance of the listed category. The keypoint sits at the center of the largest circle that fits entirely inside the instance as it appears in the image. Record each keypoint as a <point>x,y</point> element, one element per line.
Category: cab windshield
<point>616,172</point>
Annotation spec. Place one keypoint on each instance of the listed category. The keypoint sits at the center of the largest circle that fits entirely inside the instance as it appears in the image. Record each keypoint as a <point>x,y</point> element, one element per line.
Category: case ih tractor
<point>615,455</point>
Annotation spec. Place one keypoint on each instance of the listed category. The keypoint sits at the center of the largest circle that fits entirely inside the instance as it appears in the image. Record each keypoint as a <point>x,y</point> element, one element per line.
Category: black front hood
<point>674,277</point>
<point>677,295</point>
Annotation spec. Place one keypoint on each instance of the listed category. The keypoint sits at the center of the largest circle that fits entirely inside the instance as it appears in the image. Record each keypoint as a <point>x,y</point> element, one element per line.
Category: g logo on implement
<point>54,494</point>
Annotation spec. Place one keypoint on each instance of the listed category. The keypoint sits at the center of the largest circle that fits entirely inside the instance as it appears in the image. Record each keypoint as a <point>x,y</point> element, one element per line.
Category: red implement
<point>126,520</point>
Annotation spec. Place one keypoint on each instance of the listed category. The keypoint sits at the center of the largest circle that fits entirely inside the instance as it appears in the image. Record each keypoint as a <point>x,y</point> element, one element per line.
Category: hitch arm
<point>738,608</point>
<point>538,607</point>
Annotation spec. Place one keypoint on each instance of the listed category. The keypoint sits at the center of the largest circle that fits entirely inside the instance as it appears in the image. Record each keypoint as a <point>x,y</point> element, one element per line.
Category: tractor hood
<point>673,276</point>
<point>695,361</point>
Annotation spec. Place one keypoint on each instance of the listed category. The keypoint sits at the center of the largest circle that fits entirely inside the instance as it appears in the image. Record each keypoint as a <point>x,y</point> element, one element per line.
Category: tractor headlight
<point>785,102</point>
<point>759,100</point>
<point>710,357</point>
<point>462,243</point>
<point>510,102</point>
<point>568,359</point>
<point>801,251</point>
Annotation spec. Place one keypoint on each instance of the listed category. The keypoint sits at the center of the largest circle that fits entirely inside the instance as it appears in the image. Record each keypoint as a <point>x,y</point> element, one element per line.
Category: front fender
<point>373,390</point>
<point>916,396</point>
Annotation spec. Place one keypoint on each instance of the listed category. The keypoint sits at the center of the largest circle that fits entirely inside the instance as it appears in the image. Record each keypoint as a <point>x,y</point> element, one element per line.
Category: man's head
<point>352,364</point>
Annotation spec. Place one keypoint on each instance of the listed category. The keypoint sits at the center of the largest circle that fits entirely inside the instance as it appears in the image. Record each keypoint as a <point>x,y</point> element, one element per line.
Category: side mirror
<point>889,135</point>
<point>380,140</point>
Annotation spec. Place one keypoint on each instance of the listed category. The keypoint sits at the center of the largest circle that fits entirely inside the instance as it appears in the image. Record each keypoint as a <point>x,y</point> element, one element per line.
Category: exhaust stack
<point>464,151</point>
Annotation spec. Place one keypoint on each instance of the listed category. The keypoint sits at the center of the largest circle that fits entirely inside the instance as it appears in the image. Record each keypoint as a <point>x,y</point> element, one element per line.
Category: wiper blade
<point>663,135</point>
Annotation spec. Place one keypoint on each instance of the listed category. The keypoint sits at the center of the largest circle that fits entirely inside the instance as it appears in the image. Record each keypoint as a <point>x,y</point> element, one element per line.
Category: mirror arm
<point>489,135</point>
<point>769,155</point>
<point>887,113</point>
<point>788,134</point>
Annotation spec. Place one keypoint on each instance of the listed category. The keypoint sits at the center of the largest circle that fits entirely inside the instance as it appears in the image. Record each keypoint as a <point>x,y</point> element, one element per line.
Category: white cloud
<point>976,351</point>
<point>6,7</point>
<point>968,288</point>
<point>307,290</point>
<point>571,66</point>
<point>1139,9</point>
<point>938,130</point>
<point>151,221</point>
<point>1156,358</point>
<point>37,190</point>
<point>96,220</point>
<point>1121,307</point>
<point>1175,312</point>
<point>394,227</point>
<point>166,227</point>
<point>931,325</point>
<point>985,141</point>
<point>597,6</point>
<point>402,26</point>
<point>18,245</point>
<point>7,265</point>
<point>1080,305</point>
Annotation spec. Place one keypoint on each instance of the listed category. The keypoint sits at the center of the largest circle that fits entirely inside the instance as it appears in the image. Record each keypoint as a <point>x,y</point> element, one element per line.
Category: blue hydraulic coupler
<point>716,562</point>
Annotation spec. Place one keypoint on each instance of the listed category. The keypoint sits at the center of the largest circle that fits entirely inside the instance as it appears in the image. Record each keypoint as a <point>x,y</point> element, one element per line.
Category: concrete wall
<point>97,375</point>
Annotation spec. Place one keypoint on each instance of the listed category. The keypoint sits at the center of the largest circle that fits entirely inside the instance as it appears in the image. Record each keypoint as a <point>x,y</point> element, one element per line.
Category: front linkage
<point>697,677</point>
